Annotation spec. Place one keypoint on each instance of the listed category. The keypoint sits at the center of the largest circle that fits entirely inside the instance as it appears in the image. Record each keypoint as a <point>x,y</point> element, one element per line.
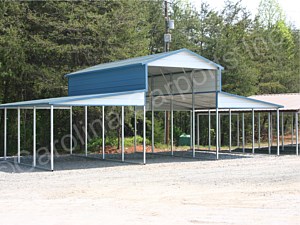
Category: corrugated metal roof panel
<point>133,98</point>
<point>116,80</point>
<point>290,101</point>
<point>121,63</point>
<point>184,59</point>
<point>231,101</point>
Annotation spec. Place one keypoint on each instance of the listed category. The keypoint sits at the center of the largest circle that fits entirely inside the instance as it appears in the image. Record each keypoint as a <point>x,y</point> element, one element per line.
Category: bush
<point>96,143</point>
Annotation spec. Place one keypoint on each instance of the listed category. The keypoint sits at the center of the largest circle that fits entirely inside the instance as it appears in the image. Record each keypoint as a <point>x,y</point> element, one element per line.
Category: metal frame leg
<point>52,138</point>
<point>85,130</point>
<point>71,130</point>
<point>297,133</point>
<point>144,135</point>
<point>278,132</point>
<point>220,132</point>
<point>123,141</point>
<point>198,131</point>
<point>217,133</point>
<point>152,128</point>
<point>243,131</point>
<point>34,136</point>
<point>253,132</point>
<point>135,129</point>
<point>292,129</point>
<point>19,136</point>
<point>259,130</point>
<point>5,134</point>
<point>269,132</point>
<point>172,128</point>
<point>238,130</point>
<point>209,130</point>
<point>229,130</point>
<point>282,131</point>
<point>103,132</point>
<point>191,129</point>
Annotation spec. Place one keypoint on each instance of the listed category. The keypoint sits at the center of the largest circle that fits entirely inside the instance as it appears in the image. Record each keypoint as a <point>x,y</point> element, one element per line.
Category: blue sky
<point>291,8</point>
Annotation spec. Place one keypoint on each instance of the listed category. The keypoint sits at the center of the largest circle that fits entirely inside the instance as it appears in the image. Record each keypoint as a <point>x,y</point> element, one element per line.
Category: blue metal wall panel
<point>109,81</point>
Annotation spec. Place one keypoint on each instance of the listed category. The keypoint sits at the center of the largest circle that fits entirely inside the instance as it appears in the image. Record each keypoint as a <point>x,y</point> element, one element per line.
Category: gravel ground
<point>244,189</point>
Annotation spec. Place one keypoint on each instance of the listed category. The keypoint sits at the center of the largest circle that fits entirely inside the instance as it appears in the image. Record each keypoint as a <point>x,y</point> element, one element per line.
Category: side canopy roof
<point>135,98</point>
<point>231,101</point>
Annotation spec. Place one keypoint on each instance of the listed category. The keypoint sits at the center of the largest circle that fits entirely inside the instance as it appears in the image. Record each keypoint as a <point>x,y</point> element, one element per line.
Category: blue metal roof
<point>138,60</point>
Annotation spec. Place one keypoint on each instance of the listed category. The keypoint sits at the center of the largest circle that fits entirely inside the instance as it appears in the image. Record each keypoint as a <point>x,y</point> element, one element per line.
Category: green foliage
<point>96,143</point>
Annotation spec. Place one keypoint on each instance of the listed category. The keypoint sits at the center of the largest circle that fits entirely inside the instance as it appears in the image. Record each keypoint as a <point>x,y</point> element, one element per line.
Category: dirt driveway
<point>258,189</point>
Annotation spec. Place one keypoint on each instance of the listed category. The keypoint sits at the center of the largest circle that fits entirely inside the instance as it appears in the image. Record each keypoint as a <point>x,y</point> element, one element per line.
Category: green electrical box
<point>184,140</point>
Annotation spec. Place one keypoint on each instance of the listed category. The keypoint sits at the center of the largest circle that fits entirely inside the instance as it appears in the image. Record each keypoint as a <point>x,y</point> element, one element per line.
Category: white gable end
<point>183,60</point>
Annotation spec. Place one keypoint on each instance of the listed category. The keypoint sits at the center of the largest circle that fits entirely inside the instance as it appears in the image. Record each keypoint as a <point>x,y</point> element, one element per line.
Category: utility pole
<point>167,31</point>
<point>169,25</point>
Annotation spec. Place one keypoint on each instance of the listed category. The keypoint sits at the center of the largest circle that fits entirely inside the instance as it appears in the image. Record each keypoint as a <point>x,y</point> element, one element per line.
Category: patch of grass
<point>96,143</point>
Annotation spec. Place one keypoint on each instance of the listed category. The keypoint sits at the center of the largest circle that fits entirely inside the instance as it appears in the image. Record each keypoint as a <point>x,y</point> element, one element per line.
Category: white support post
<point>217,133</point>
<point>238,130</point>
<point>193,138</point>
<point>51,138</point>
<point>19,136</point>
<point>292,126</point>
<point>198,131</point>
<point>259,130</point>
<point>229,130</point>
<point>269,132</point>
<point>297,133</point>
<point>71,130</point>
<point>217,125</point>
<point>194,130</point>
<point>135,129</point>
<point>220,131</point>
<point>123,141</point>
<point>194,151</point>
<point>5,133</point>
<point>253,132</point>
<point>152,126</point>
<point>165,127</point>
<point>172,128</point>
<point>85,130</point>
<point>278,132</point>
<point>172,115</point>
<point>144,135</point>
<point>282,131</point>
<point>209,128</point>
<point>243,131</point>
<point>34,136</point>
<point>191,129</point>
<point>103,132</point>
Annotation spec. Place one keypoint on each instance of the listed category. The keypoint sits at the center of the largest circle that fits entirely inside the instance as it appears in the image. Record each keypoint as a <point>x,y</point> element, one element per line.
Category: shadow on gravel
<point>288,150</point>
<point>76,162</point>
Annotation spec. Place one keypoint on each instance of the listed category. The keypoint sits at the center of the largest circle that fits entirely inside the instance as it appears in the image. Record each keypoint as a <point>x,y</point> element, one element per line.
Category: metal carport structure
<point>289,108</point>
<point>174,81</point>
<point>291,105</point>
<point>130,98</point>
